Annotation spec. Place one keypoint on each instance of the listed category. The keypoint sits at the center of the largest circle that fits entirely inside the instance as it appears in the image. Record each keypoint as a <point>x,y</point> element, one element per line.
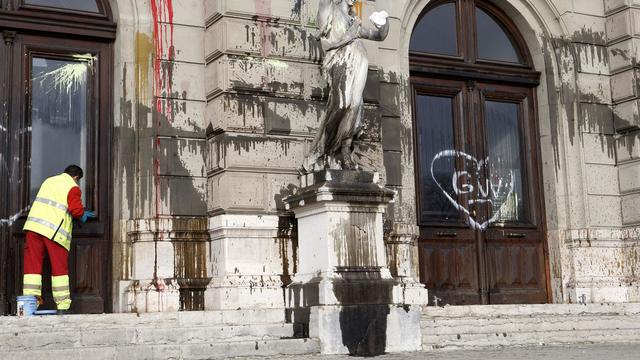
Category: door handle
<point>446,234</point>
<point>516,235</point>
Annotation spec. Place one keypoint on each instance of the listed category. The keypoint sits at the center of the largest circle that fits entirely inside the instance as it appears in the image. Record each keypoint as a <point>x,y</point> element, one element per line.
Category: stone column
<point>168,265</point>
<point>343,292</point>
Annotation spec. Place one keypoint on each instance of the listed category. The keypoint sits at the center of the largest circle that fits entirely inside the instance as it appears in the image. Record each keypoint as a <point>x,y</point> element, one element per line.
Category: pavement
<point>576,352</point>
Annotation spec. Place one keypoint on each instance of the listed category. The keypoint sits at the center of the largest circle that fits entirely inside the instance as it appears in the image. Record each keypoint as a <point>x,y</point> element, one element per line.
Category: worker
<point>49,226</point>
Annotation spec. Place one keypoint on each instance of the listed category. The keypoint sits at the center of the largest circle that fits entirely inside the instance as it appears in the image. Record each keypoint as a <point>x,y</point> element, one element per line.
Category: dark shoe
<point>64,312</point>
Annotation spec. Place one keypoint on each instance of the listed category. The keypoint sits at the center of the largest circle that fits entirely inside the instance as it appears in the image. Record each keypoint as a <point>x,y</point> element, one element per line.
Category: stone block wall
<point>265,96</point>
<point>591,233</point>
<point>623,34</point>
<point>217,102</point>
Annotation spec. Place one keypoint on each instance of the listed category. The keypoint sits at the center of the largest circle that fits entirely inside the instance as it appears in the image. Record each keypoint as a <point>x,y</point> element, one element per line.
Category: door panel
<point>5,70</point>
<point>514,243</point>
<point>447,246</point>
<point>449,270</point>
<point>59,117</point>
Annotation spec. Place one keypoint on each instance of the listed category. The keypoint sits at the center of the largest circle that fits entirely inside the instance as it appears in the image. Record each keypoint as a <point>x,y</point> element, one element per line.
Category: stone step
<point>468,327</point>
<point>175,319</point>
<point>63,337</point>
<point>220,350</point>
<point>488,340</point>
<point>529,324</point>
<point>492,311</point>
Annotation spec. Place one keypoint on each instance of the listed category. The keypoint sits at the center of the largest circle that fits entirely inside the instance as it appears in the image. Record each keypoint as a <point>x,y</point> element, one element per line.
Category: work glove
<point>87,215</point>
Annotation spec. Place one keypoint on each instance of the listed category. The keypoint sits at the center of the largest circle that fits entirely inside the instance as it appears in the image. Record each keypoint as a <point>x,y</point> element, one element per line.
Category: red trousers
<point>34,246</point>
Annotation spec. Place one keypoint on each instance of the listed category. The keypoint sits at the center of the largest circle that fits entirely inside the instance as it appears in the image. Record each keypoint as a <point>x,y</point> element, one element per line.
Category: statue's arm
<point>322,19</point>
<point>379,34</point>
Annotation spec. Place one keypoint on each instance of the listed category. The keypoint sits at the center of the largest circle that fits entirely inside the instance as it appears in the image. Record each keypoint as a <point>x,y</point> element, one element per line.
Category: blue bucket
<point>26,305</point>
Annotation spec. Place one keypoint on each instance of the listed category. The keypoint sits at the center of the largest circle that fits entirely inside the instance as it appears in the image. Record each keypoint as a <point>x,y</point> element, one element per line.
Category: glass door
<point>58,116</point>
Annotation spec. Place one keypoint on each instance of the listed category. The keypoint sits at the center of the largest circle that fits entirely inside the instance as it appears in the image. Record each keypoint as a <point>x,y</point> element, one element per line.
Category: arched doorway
<point>479,195</point>
<point>55,91</point>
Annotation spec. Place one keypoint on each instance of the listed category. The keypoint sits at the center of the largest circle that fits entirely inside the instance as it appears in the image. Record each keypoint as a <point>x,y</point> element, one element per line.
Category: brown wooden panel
<point>86,273</point>
<point>449,271</point>
<point>516,272</point>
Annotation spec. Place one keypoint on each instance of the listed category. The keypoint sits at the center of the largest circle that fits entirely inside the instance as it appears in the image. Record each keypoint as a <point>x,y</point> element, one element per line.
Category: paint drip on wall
<point>162,11</point>
<point>263,11</point>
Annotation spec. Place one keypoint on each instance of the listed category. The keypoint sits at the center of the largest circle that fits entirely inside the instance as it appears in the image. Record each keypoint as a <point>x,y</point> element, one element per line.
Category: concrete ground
<point>577,352</point>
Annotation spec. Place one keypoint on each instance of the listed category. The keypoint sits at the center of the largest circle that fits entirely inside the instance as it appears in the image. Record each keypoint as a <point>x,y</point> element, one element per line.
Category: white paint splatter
<point>9,221</point>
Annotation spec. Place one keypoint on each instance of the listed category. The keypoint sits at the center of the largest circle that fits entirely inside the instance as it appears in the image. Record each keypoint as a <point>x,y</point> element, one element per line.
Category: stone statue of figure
<point>345,67</point>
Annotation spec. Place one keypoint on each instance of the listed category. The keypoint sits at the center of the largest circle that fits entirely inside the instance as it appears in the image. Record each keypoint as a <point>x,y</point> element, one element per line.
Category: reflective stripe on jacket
<point>49,211</point>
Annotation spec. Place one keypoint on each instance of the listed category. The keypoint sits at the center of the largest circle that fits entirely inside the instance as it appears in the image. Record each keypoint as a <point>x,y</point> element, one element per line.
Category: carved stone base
<point>365,330</point>
<point>343,292</point>
<point>244,292</point>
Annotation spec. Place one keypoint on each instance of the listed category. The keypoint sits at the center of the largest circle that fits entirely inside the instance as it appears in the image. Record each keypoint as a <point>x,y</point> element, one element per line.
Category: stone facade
<point>217,102</point>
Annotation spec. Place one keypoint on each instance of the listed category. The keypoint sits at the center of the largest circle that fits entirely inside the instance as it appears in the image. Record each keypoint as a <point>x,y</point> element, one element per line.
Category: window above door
<point>77,18</point>
<point>470,39</point>
<point>91,6</point>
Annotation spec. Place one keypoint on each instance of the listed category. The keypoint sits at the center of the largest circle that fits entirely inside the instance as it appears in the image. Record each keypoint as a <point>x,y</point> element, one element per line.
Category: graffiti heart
<point>467,184</point>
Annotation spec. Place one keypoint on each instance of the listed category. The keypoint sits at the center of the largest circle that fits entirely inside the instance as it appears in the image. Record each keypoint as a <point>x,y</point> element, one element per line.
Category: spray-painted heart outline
<point>479,164</point>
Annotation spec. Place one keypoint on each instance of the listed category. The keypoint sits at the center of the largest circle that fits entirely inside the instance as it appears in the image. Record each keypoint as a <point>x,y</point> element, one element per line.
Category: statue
<point>345,67</point>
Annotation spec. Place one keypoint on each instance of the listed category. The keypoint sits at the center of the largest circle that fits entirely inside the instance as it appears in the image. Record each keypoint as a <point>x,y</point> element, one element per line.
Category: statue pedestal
<point>343,292</point>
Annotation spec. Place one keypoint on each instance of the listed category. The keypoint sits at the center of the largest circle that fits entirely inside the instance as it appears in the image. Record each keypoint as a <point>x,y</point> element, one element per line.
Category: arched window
<point>56,73</point>
<point>78,18</point>
<point>77,5</point>
<point>479,198</point>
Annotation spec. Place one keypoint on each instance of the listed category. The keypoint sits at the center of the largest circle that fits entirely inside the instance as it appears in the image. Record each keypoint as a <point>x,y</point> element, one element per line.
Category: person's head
<point>351,2</point>
<point>75,172</point>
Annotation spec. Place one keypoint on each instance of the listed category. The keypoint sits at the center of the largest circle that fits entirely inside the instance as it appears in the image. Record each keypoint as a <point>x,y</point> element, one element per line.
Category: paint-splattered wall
<point>219,101</point>
<point>160,167</point>
<point>265,98</point>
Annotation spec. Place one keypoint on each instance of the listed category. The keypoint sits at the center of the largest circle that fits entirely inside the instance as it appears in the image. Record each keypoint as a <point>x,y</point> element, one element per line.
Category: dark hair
<point>74,170</point>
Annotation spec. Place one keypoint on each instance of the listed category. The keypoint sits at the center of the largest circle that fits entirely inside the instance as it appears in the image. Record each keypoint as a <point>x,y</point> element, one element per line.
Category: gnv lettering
<point>488,193</point>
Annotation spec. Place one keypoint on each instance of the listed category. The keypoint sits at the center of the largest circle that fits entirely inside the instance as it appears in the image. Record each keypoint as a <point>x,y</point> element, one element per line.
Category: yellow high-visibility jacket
<point>49,211</point>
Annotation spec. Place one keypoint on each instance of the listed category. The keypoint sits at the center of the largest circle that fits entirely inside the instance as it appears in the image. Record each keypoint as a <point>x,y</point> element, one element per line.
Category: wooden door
<point>513,244</point>
<point>56,96</point>
<point>479,194</point>
<point>479,205</point>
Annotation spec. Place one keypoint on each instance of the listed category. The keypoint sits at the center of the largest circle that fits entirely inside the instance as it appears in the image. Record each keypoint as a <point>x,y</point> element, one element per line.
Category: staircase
<point>474,327</point>
<point>183,335</point>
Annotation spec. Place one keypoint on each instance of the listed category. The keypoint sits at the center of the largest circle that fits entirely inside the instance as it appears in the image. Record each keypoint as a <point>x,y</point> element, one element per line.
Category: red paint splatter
<point>162,12</point>
<point>263,11</point>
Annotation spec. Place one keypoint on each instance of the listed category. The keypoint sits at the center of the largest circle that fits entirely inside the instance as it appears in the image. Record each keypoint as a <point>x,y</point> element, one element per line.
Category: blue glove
<point>87,215</point>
